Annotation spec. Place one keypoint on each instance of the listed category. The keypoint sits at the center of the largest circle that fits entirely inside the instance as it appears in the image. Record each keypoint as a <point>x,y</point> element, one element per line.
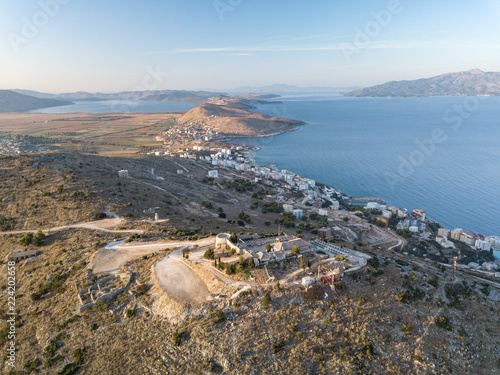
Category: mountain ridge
<point>473,82</point>
<point>11,101</point>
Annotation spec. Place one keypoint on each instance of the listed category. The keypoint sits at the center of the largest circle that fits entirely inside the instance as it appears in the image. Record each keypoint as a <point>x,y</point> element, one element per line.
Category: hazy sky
<point>108,45</point>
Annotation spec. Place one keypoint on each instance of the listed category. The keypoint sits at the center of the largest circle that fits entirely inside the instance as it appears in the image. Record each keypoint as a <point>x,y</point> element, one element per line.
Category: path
<point>100,225</point>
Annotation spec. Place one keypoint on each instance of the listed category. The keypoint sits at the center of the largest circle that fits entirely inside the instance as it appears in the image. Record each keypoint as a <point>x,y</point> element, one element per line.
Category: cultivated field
<point>122,133</point>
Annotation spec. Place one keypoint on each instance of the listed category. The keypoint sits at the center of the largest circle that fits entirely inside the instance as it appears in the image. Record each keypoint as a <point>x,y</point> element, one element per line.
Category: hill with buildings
<point>469,83</point>
<point>234,116</point>
<point>11,101</point>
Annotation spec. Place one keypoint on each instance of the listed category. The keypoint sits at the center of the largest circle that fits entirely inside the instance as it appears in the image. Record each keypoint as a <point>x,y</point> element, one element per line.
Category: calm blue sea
<point>110,106</point>
<point>441,154</point>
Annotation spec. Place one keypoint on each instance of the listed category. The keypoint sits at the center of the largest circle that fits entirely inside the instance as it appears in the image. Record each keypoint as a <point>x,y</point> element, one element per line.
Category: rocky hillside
<point>469,83</point>
<point>11,101</point>
<point>235,117</point>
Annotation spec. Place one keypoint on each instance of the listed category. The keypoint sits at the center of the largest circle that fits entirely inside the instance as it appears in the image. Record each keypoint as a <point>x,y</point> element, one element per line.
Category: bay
<point>441,154</point>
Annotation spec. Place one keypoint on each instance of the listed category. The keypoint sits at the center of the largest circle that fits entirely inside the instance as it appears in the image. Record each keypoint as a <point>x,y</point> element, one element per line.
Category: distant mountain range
<point>469,83</point>
<point>11,101</point>
<point>282,88</point>
<point>153,95</point>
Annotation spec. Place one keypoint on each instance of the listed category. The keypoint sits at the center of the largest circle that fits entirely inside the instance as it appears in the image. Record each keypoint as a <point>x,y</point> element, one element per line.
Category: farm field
<point>101,133</point>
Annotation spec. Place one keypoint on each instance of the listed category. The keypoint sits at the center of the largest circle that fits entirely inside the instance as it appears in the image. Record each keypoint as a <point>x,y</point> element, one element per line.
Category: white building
<point>287,208</point>
<point>213,174</point>
<point>123,173</point>
<point>483,245</point>
<point>306,281</point>
<point>323,212</point>
<point>387,214</point>
<point>298,213</point>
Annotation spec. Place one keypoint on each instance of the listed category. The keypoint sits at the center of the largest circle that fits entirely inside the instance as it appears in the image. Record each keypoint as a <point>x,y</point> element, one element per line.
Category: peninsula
<point>473,82</point>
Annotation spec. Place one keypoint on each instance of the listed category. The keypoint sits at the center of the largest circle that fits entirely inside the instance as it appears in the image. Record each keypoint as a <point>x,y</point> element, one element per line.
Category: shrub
<point>207,204</point>
<point>176,337</point>
<point>443,322</point>
<point>403,296</point>
<point>219,317</point>
<point>277,346</point>
<point>433,282</point>
<point>407,329</point>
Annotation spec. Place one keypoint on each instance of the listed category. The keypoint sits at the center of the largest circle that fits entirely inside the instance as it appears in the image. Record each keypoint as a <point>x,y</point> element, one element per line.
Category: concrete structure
<point>306,281</point>
<point>387,214</point>
<point>420,213</point>
<point>323,212</point>
<point>483,245</point>
<point>456,233</point>
<point>21,254</point>
<point>298,213</point>
<point>123,173</point>
<point>287,208</point>
<point>444,232</point>
<point>325,232</point>
<point>214,173</point>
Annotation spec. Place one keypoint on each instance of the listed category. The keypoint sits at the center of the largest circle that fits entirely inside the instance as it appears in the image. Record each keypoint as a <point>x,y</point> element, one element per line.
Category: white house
<point>213,174</point>
<point>287,208</point>
<point>123,173</point>
<point>323,212</point>
<point>306,281</point>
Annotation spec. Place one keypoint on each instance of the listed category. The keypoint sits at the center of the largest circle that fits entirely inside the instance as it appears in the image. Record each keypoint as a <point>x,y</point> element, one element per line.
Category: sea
<point>440,154</point>
<point>111,106</point>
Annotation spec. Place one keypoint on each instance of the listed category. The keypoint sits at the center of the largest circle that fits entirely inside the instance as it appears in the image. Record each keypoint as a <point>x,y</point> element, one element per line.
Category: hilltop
<point>469,83</point>
<point>401,314</point>
<point>234,116</point>
<point>11,101</point>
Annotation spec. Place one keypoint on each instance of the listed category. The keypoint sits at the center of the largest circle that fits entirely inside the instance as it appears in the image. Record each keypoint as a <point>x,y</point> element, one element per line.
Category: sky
<point>122,45</point>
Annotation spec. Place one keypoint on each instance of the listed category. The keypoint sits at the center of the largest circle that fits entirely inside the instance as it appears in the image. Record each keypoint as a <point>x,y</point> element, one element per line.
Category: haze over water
<point>355,143</point>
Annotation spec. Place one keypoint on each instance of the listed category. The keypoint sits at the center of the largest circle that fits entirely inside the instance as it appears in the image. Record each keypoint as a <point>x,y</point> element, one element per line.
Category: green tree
<point>251,263</point>
<point>26,240</point>
<point>278,287</point>
<point>209,253</point>
<point>39,238</point>
<point>266,300</point>
<point>234,238</point>
<point>243,262</point>
<point>303,263</point>
<point>295,251</point>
